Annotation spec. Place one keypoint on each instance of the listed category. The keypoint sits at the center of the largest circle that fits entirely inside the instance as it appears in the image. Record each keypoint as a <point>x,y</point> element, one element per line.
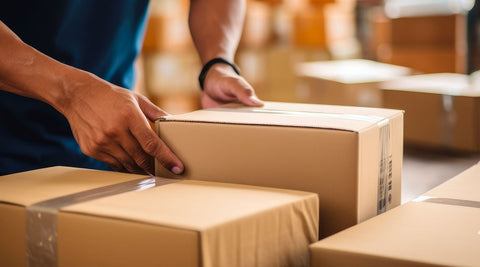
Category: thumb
<point>151,111</point>
<point>245,94</point>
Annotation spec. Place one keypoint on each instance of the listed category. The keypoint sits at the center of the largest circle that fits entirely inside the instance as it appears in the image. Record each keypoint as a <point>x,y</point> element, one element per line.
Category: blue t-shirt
<point>100,36</point>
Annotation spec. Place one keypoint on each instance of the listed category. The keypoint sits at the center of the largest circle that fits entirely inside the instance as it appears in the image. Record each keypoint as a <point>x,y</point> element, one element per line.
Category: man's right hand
<point>111,124</point>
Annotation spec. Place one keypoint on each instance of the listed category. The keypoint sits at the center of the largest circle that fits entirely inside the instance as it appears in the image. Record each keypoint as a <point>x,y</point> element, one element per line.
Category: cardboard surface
<point>414,234</point>
<point>189,223</point>
<point>441,110</point>
<point>333,151</point>
<point>345,82</point>
<point>463,186</point>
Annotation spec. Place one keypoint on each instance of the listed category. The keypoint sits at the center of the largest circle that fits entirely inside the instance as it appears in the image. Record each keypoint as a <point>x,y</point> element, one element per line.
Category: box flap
<point>464,186</point>
<point>439,83</point>
<point>193,205</point>
<point>31,187</point>
<point>344,118</point>
<point>352,71</point>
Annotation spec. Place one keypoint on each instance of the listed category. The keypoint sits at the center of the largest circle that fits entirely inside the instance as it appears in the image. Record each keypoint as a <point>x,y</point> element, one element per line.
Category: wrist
<point>214,63</point>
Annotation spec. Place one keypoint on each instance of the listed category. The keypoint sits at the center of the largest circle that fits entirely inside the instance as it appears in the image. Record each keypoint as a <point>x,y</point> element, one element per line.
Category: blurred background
<point>420,56</point>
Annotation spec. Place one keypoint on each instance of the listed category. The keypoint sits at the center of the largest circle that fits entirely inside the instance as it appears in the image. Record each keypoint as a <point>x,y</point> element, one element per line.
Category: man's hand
<point>111,124</point>
<point>222,85</point>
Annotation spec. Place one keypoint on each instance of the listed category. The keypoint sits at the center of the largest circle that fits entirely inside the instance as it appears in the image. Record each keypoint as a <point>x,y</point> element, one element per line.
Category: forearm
<point>216,27</point>
<point>27,72</point>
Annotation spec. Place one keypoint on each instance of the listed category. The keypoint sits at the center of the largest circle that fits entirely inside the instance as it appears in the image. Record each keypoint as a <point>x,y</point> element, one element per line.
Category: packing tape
<point>41,217</point>
<point>447,121</point>
<point>385,184</point>
<point>449,201</point>
<point>384,194</point>
<point>345,116</point>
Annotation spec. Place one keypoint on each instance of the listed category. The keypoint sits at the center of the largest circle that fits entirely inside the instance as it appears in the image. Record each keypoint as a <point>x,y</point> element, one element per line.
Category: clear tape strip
<point>41,217</point>
<point>346,116</point>
<point>449,201</point>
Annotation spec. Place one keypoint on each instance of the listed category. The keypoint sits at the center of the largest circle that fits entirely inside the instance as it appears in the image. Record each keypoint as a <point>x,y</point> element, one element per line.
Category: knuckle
<point>151,146</point>
<point>101,140</point>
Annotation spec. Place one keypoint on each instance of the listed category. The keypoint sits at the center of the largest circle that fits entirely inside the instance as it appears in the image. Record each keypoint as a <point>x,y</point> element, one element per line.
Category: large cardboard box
<point>159,222</point>
<point>439,229</point>
<point>441,110</point>
<point>353,82</point>
<point>351,157</point>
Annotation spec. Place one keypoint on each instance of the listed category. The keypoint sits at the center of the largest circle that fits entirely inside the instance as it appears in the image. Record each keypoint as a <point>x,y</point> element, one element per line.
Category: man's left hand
<point>222,85</point>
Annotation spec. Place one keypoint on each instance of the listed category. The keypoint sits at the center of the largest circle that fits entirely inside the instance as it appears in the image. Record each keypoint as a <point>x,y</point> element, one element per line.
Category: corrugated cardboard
<point>189,223</point>
<point>330,150</point>
<point>415,234</point>
<point>345,82</point>
<point>441,110</point>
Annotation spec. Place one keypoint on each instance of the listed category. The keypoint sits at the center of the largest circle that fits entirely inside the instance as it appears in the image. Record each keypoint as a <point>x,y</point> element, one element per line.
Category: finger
<point>154,146</point>
<point>151,111</point>
<point>126,161</point>
<point>245,94</point>
<point>136,152</point>
<point>111,162</point>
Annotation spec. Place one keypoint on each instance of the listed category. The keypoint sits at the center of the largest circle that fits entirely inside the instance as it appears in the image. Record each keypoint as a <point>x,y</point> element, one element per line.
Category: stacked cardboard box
<point>441,110</point>
<point>351,157</point>
<point>430,43</point>
<point>76,217</point>
<point>438,229</point>
<point>345,82</point>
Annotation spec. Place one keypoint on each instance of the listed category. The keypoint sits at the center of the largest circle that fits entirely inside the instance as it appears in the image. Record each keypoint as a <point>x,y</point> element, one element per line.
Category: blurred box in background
<point>271,71</point>
<point>429,37</point>
<point>171,80</point>
<point>167,28</point>
<point>439,228</point>
<point>345,82</point>
<point>441,110</point>
<point>351,157</point>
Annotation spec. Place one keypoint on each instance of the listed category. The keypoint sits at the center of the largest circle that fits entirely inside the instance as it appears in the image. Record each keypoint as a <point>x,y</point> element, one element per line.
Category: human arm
<point>110,123</point>
<point>216,28</point>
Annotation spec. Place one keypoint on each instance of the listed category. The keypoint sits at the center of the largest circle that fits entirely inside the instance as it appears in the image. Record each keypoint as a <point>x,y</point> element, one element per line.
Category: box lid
<point>439,83</point>
<point>193,205</point>
<point>424,233</point>
<point>344,118</point>
<point>352,71</point>
<point>35,186</point>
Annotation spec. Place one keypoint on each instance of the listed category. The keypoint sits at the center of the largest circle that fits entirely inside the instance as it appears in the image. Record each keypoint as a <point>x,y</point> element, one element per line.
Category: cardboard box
<point>441,110</point>
<point>175,223</point>
<point>425,59</point>
<point>440,229</point>
<point>352,82</point>
<point>271,70</point>
<point>309,27</point>
<point>167,28</point>
<point>351,157</point>
<point>429,44</point>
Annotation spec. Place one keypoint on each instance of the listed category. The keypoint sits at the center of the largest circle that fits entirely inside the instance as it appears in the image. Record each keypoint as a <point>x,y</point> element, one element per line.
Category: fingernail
<point>177,170</point>
<point>255,101</point>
